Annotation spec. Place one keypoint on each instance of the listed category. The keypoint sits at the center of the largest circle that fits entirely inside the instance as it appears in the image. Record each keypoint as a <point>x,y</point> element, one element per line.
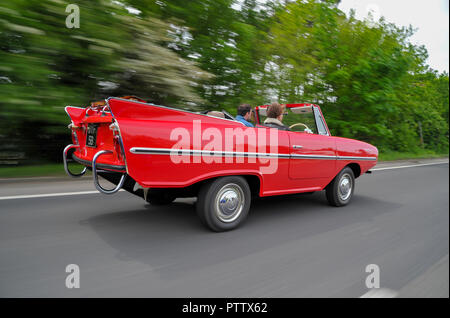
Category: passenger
<point>274,118</point>
<point>244,114</point>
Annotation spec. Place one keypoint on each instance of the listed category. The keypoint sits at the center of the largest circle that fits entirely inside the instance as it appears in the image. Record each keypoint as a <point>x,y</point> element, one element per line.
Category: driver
<point>274,118</point>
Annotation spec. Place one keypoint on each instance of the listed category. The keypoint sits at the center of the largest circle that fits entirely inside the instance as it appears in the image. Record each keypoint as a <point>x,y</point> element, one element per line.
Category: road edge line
<point>409,166</point>
<point>47,195</point>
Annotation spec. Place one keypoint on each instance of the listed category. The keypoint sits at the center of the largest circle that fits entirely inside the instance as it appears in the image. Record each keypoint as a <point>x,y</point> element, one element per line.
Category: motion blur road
<point>290,246</point>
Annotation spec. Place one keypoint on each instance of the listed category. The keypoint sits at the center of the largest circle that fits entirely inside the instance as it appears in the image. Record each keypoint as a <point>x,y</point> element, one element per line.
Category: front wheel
<point>223,204</point>
<point>340,191</point>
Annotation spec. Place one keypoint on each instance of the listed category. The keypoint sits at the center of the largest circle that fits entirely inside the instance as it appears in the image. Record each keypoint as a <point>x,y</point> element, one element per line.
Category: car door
<point>311,156</point>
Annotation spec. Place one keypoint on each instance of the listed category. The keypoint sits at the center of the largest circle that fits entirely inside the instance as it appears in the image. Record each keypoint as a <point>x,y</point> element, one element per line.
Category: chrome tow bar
<point>66,166</point>
<point>94,174</point>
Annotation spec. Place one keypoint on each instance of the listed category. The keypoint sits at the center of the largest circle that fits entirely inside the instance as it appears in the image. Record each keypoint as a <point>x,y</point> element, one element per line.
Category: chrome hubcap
<point>345,187</point>
<point>229,202</point>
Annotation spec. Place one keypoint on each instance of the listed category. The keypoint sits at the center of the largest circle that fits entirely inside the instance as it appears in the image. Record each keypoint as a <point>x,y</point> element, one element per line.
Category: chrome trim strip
<point>356,158</point>
<point>323,157</point>
<point>295,156</point>
<point>122,148</point>
<point>193,152</point>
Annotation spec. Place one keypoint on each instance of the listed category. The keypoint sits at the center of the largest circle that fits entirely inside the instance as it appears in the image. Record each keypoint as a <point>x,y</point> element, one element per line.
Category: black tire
<point>160,197</point>
<point>340,191</point>
<point>229,212</point>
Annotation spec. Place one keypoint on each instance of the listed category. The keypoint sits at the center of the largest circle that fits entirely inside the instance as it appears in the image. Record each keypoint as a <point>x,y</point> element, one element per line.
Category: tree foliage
<point>371,82</point>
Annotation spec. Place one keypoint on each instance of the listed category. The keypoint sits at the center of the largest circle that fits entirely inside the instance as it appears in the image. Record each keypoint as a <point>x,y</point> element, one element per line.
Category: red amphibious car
<point>161,153</point>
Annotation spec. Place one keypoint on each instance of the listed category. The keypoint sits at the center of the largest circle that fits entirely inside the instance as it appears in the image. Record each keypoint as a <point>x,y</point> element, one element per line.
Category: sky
<point>430,17</point>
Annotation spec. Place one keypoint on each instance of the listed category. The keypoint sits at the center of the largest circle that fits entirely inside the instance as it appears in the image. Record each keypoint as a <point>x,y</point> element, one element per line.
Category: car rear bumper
<point>103,166</point>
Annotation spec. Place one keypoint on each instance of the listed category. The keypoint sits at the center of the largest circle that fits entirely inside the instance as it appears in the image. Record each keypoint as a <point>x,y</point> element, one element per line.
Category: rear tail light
<point>118,147</point>
<point>75,138</point>
<point>117,144</point>
<point>73,129</point>
<point>115,128</point>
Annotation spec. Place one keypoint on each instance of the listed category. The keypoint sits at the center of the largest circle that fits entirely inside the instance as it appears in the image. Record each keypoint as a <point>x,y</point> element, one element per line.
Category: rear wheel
<point>340,191</point>
<point>223,204</point>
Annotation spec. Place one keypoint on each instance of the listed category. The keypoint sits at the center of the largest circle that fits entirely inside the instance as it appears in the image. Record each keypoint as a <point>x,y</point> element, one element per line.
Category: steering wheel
<point>299,124</point>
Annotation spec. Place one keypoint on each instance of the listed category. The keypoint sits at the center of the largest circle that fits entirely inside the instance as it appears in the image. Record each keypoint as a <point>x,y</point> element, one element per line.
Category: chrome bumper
<point>66,166</point>
<point>94,174</point>
<point>94,171</point>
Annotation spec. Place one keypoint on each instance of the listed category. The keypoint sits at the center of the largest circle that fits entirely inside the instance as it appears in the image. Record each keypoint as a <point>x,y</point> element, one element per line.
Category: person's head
<point>275,110</point>
<point>245,110</point>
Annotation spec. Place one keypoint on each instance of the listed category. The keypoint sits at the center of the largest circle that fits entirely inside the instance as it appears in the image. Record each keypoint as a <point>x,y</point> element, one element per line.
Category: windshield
<point>302,116</point>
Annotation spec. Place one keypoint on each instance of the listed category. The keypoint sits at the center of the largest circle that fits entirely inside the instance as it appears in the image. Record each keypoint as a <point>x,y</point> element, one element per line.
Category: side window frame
<point>320,124</point>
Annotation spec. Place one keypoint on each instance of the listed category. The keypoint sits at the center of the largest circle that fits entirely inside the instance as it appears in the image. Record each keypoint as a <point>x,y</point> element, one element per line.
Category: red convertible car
<point>161,153</point>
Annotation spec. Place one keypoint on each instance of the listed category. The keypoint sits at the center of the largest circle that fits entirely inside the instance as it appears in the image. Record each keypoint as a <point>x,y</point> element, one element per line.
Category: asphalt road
<point>290,246</point>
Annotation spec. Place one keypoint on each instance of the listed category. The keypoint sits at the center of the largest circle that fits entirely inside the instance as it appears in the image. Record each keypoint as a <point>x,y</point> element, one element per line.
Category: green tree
<point>371,82</point>
<point>44,66</point>
<point>223,40</point>
<point>367,76</point>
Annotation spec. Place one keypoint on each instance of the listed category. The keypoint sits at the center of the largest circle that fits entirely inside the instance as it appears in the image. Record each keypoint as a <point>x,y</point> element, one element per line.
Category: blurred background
<point>372,82</point>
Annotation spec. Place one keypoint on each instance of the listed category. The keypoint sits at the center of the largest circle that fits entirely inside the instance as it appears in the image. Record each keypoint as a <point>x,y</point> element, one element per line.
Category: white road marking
<point>380,293</point>
<point>409,166</point>
<point>48,195</point>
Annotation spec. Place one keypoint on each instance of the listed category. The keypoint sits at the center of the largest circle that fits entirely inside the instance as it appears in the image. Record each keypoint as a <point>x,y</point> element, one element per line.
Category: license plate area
<point>91,136</point>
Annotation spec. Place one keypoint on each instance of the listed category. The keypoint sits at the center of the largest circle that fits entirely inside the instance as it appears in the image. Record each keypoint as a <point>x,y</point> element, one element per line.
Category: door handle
<point>297,146</point>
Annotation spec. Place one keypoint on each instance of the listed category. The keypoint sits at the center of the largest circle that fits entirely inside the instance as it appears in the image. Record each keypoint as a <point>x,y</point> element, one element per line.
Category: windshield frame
<point>321,128</point>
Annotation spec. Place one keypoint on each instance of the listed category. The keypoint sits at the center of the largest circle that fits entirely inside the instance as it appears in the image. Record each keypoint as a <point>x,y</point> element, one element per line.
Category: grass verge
<point>43,170</point>
<point>391,156</point>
